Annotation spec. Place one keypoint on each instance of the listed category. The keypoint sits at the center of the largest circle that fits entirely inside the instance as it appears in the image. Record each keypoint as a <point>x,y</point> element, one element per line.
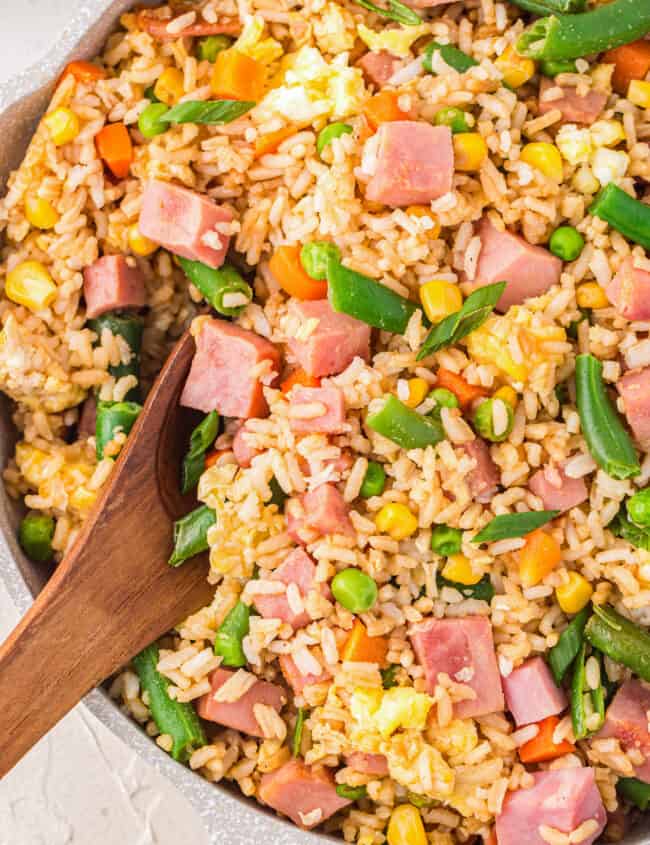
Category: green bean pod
<point>129,327</point>
<point>451,56</point>
<point>177,719</point>
<point>606,436</point>
<point>620,639</point>
<point>404,426</point>
<point>191,534</point>
<point>296,740</point>
<point>624,213</point>
<point>230,636</point>
<point>578,683</point>
<point>111,418</point>
<point>201,439</point>
<point>218,285</point>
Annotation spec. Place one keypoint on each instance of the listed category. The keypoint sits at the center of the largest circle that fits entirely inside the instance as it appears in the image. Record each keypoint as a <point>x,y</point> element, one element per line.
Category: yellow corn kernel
<point>573,595</point>
<point>639,93</point>
<point>418,390</point>
<point>63,124</point>
<point>406,827</point>
<point>139,244</point>
<point>425,211</point>
<point>397,521</point>
<point>507,394</point>
<point>546,158</point>
<point>440,299</point>
<point>170,86</point>
<point>516,69</point>
<point>459,568</point>
<point>40,213</point>
<point>470,151</point>
<point>31,285</point>
<point>591,295</point>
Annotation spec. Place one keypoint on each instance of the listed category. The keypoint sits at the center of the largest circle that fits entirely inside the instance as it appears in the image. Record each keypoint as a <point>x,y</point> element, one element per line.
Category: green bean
<point>201,439</point>
<point>374,481</point>
<point>446,540</point>
<point>635,791</point>
<point>174,718</point>
<point>35,536</point>
<point>129,327</point>
<point>404,426</point>
<point>608,441</point>
<point>230,636</point>
<point>191,534</point>
<point>565,651</point>
<point>352,793</point>
<point>224,289</point>
<point>575,36</point>
<point>620,639</point>
<point>451,56</point>
<point>624,213</point>
<point>315,257</point>
<point>113,417</point>
<point>551,7</point>
<point>361,297</point>
<point>296,741</point>
<point>578,684</point>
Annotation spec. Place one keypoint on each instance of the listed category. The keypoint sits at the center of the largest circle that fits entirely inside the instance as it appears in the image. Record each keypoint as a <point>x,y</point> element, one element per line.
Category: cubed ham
<point>561,799</point>
<point>317,409</point>
<point>112,284</point>
<point>87,418</point>
<point>463,649</point>
<point>634,388</point>
<point>298,680</point>
<point>629,291</point>
<point>298,569</point>
<point>185,222</point>
<point>575,108</point>
<point>240,714</point>
<point>367,764</point>
<point>557,490</point>
<point>528,270</point>
<point>483,480</point>
<point>222,375</point>
<point>319,512</point>
<point>531,693</point>
<point>627,721</point>
<point>378,67</point>
<point>306,794</point>
<point>243,450</point>
<point>157,27</point>
<point>408,162</point>
<point>334,343</point>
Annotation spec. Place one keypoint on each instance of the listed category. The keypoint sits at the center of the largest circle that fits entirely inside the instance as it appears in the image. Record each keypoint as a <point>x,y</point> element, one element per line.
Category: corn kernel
<point>418,390</point>
<point>546,158</point>
<point>31,285</point>
<point>459,568</point>
<point>406,827</point>
<point>574,594</point>
<point>397,521</point>
<point>507,394</point>
<point>170,86</point>
<point>591,295</point>
<point>639,93</point>
<point>139,244</point>
<point>40,213</point>
<point>470,151</point>
<point>440,299</point>
<point>63,125</point>
<point>425,211</point>
<point>516,69</point>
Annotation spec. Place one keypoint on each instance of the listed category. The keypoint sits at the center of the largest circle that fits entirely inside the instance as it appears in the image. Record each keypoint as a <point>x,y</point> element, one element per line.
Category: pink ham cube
<point>531,693</point>
<point>239,715</point>
<point>634,388</point>
<point>483,480</point>
<point>557,490</point>
<point>113,284</point>
<point>296,679</point>
<point>317,409</point>
<point>629,291</point>
<point>464,650</point>
<point>306,794</point>
<point>378,67</point>
<point>367,764</point>
<point>575,108</point>
<point>318,513</point>
<point>627,721</point>
<point>334,343</point>
<point>299,569</point>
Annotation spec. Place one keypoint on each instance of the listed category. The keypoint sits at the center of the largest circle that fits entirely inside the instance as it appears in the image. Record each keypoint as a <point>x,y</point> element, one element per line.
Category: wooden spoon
<point>113,593</point>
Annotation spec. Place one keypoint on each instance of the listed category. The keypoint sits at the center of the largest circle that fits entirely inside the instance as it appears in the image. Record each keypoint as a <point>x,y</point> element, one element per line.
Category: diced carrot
<point>463,391</point>
<point>361,648</point>
<point>115,148</point>
<point>383,108</point>
<point>286,266</point>
<point>632,61</point>
<point>541,747</point>
<point>237,76</point>
<point>539,556</point>
<point>82,72</point>
<point>212,457</point>
<point>271,141</point>
<point>300,377</point>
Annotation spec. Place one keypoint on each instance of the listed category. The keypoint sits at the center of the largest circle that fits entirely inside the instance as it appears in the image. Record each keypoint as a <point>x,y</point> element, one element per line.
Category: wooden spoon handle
<point>101,606</point>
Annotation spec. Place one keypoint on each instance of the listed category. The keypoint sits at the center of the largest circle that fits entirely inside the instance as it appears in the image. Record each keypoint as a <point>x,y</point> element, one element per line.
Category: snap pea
<point>585,702</point>
<point>451,56</point>
<point>575,36</point>
<point>352,793</point>
<point>224,289</point>
<point>191,534</point>
<point>129,327</point>
<point>35,536</point>
<point>174,718</point>
<point>635,791</point>
<point>565,651</point>
<point>353,293</point>
<point>230,636</point>
<point>620,639</point>
<point>201,439</point>
<point>608,441</point>
<point>111,418</point>
<point>624,213</point>
<point>404,426</point>
<point>296,741</point>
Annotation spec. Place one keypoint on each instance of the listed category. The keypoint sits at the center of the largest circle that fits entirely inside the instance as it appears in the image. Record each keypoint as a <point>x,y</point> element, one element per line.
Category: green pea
<point>638,508</point>
<point>553,68</point>
<point>484,420</point>
<point>35,536</point>
<point>315,257</point>
<point>208,48</point>
<point>374,481</point>
<point>567,243</point>
<point>149,122</point>
<point>446,540</point>
<point>354,590</point>
<point>327,135</point>
<point>443,397</point>
<point>455,119</point>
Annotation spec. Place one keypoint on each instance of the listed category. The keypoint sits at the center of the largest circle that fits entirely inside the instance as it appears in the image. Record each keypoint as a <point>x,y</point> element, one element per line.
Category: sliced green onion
<point>451,56</point>
<point>213,112</point>
<point>481,591</point>
<point>509,525</point>
<point>296,742</point>
<point>191,534</point>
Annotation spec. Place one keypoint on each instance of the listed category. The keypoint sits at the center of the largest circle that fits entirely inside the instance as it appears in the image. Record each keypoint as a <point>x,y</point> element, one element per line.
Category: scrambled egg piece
<point>386,711</point>
<point>62,476</point>
<point>419,766</point>
<point>397,41</point>
<point>458,737</point>
<point>334,29</point>
<point>592,146</point>
<point>250,42</point>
